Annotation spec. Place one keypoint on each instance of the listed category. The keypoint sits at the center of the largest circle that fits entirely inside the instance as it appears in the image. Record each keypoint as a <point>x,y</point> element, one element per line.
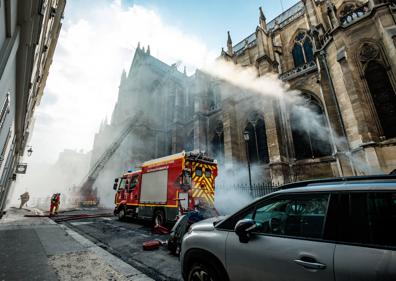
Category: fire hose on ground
<point>62,218</point>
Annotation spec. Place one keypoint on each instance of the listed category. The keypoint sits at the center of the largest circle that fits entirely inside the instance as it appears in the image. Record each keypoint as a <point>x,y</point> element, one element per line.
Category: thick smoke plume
<point>141,24</point>
<point>231,191</point>
<point>42,180</point>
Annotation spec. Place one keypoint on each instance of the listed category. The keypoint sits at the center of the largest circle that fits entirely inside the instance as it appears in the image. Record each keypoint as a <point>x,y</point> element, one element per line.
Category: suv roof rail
<point>338,179</point>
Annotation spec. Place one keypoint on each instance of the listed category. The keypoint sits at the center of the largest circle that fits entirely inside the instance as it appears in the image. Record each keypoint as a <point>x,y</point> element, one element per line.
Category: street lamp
<point>246,138</point>
<point>30,151</point>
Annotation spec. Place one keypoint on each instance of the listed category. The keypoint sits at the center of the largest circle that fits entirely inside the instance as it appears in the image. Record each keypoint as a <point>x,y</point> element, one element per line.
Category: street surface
<point>37,248</point>
<point>124,240</point>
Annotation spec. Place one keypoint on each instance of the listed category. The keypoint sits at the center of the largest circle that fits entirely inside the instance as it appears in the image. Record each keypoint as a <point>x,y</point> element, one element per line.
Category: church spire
<point>101,127</point>
<point>262,19</point>
<point>148,49</point>
<point>229,44</point>
<point>123,76</point>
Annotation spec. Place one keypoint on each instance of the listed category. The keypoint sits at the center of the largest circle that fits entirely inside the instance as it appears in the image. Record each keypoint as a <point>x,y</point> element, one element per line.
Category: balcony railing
<point>300,70</point>
<point>354,15</point>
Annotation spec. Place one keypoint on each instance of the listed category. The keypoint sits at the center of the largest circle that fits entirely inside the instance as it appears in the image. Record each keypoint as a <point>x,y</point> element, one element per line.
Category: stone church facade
<point>339,54</point>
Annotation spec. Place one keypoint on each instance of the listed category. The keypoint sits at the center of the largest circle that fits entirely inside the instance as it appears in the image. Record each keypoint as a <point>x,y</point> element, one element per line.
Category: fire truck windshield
<point>122,184</point>
<point>134,182</point>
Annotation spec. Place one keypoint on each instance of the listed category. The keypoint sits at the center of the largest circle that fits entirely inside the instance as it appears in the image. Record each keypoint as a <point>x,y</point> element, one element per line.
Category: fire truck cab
<point>167,187</point>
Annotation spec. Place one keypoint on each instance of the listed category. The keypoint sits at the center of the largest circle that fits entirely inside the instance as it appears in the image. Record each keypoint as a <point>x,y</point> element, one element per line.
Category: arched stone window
<point>257,144</point>
<point>381,90</point>
<point>383,95</point>
<point>302,49</point>
<point>189,142</point>
<point>217,142</point>
<point>211,101</point>
<point>309,129</point>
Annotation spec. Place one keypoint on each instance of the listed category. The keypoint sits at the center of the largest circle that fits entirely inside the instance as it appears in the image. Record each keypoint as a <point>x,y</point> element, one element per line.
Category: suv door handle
<point>310,265</point>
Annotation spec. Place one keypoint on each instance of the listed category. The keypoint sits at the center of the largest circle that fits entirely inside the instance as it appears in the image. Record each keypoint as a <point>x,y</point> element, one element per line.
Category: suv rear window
<point>363,218</point>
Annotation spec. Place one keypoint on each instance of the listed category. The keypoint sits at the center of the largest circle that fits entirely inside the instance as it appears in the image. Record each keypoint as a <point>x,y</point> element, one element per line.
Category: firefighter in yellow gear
<point>55,201</point>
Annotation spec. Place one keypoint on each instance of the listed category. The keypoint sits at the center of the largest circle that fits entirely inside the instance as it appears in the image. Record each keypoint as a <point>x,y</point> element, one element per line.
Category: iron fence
<point>257,190</point>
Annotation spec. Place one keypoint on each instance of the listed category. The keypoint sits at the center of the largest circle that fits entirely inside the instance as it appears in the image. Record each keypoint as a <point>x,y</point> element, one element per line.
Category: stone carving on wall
<point>368,52</point>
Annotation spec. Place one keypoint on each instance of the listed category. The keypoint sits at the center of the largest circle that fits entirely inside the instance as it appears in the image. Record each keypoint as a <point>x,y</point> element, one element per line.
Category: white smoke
<point>87,67</point>
<point>42,180</point>
<point>232,186</point>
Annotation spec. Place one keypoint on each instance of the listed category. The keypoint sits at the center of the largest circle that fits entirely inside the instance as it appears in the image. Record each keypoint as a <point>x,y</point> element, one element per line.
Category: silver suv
<point>337,229</point>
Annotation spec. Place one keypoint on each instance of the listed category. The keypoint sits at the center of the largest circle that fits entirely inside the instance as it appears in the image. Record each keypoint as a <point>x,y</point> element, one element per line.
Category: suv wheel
<point>203,272</point>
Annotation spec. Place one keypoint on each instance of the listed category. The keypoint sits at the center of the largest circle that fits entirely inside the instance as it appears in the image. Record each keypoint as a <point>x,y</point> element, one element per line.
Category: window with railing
<point>5,146</point>
<point>351,12</point>
<point>5,109</point>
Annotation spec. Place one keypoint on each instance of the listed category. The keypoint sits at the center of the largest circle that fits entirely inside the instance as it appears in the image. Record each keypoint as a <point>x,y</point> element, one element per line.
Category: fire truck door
<point>134,190</point>
<point>121,190</point>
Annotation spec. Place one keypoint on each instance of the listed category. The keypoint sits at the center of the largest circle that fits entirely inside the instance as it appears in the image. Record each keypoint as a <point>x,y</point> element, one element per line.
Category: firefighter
<point>55,201</point>
<point>24,199</point>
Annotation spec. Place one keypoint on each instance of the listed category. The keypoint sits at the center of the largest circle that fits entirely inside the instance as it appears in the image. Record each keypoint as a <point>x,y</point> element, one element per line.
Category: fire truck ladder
<point>89,179</point>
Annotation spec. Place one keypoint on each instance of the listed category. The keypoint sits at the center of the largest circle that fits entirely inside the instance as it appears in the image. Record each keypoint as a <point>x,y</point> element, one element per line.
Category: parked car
<point>333,229</point>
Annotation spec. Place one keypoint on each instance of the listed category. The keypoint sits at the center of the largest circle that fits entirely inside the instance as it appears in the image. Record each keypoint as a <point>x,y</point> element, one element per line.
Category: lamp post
<point>246,138</point>
<point>30,151</point>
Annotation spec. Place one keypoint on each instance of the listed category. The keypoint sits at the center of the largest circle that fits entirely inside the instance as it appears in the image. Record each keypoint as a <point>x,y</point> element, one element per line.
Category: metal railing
<point>354,15</point>
<point>257,190</point>
<point>299,70</point>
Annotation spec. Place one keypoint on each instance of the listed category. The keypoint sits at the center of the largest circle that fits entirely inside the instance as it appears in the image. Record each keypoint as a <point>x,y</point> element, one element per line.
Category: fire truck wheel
<point>121,214</point>
<point>159,217</point>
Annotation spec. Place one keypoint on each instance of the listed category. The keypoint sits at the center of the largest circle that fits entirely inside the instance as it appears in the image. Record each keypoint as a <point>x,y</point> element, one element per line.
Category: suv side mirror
<point>243,229</point>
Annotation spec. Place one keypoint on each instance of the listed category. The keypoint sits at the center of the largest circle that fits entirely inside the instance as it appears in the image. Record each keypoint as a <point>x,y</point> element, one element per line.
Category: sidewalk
<point>39,249</point>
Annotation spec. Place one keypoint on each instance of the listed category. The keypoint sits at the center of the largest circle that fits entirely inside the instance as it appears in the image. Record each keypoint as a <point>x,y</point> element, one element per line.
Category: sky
<point>97,42</point>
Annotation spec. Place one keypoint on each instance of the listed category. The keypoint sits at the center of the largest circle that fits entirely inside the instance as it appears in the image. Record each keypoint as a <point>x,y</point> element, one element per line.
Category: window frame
<point>257,145</point>
<point>301,43</point>
<point>130,188</point>
<point>5,110</point>
<point>200,171</point>
<point>122,182</point>
<point>307,137</point>
<point>277,196</point>
<point>334,239</point>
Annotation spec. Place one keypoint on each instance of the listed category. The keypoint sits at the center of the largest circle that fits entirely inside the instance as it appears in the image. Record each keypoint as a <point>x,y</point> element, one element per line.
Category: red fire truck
<point>167,187</point>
